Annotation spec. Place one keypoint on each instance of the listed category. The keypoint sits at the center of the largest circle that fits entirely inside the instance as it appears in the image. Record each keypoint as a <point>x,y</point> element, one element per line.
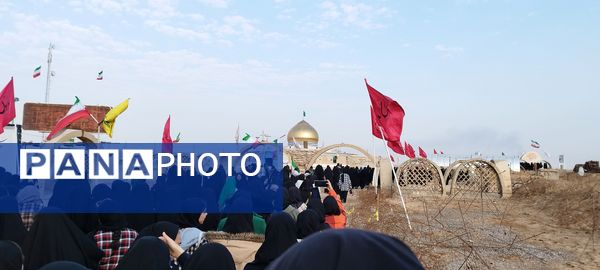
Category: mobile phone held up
<point>320,183</point>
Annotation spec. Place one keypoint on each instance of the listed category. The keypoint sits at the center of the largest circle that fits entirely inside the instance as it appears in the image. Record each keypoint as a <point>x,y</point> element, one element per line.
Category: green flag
<point>295,166</point>
<point>246,137</point>
<point>304,113</point>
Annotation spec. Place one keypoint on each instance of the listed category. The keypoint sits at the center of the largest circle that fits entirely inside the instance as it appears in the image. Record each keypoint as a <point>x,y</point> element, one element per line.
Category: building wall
<point>43,117</point>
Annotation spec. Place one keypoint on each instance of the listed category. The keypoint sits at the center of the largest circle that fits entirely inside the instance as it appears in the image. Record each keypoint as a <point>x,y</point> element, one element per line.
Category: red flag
<point>408,149</point>
<point>7,105</point>
<point>389,114</point>
<point>167,146</point>
<point>397,147</point>
<point>166,138</point>
<point>422,153</point>
<point>434,151</point>
<point>375,125</point>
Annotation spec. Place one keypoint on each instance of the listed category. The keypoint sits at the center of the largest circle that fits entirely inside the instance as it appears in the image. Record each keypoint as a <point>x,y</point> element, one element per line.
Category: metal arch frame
<point>451,171</point>
<point>430,163</point>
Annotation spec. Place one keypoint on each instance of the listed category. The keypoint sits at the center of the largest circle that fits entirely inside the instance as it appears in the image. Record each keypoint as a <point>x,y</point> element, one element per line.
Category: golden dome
<point>303,132</point>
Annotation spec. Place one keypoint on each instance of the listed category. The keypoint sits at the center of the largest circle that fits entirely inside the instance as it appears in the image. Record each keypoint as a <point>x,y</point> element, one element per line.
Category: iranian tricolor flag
<point>76,112</point>
<point>37,72</point>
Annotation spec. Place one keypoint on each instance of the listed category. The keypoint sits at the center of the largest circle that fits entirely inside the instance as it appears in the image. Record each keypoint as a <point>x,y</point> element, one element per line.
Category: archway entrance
<point>323,150</point>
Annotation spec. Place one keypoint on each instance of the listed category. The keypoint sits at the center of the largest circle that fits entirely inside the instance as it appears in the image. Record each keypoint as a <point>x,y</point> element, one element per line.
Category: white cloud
<point>286,14</point>
<point>338,66</point>
<point>320,44</point>
<point>104,6</point>
<point>236,25</point>
<point>224,31</point>
<point>449,51</point>
<point>180,32</point>
<point>91,39</point>
<point>215,3</point>
<point>360,15</point>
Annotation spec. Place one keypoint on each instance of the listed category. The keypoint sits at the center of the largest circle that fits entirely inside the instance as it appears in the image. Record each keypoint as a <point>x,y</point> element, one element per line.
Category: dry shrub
<point>573,201</point>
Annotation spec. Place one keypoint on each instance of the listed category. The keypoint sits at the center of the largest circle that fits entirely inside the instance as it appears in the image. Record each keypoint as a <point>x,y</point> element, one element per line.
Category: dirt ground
<point>546,224</point>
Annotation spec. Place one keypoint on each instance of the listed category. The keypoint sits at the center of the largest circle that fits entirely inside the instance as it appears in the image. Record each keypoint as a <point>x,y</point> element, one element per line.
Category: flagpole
<point>395,177</point>
<point>374,164</point>
<point>48,72</point>
<point>98,127</point>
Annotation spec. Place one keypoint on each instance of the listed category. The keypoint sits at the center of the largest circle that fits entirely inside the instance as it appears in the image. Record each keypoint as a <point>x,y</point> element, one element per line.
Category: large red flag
<point>422,152</point>
<point>375,125</point>
<point>408,149</point>
<point>7,105</point>
<point>396,146</point>
<point>388,113</point>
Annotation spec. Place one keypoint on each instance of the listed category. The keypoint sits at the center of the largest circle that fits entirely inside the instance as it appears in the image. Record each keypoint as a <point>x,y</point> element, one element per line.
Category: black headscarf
<point>308,223</point>
<point>147,253</point>
<point>141,191</point>
<point>54,237</point>
<point>109,221</point>
<point>348,249</point>
<point>316,205</point>
<point>11,257</point>
<point>211,222</point>
<point>11,225</point>
<point>210,256</point>
<point>100,193</point>
<point>158,228</point>
<point>319,173</point>
<point>75,198</point>
<point>294,196</point>
<point>63,265</point>
<point>331,206</point>
<point>279,236</point>
<point>189,219</point>
<point>328,173</point>
<point>287,201</point>
<point>240,223</point>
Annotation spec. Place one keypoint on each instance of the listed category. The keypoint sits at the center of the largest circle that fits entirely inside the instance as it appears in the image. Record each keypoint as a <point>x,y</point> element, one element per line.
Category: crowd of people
<point>309,233</point>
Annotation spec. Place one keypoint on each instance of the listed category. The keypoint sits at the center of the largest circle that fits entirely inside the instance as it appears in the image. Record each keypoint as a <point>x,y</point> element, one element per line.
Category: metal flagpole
<point>49,72</point>
<point>374,164</point>
<point>395,176</point>
<point>98,125</point>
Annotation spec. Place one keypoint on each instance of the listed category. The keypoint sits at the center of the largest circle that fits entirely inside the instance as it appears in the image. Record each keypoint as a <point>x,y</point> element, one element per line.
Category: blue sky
<point>472,75</point>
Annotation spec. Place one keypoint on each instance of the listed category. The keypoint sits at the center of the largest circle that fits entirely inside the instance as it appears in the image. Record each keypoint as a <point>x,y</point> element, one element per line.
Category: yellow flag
<point>109,119</point>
